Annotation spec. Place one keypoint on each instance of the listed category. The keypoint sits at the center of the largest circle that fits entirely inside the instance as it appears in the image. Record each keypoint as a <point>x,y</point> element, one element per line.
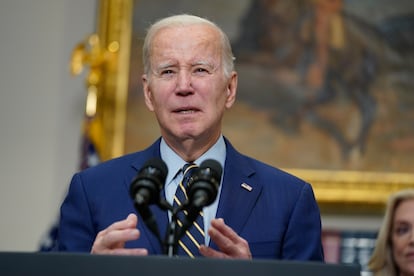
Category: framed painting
<point>325,88</point>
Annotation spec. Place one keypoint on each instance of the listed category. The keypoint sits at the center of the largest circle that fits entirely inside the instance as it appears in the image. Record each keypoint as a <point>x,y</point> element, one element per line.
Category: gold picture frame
<point>110,81</point>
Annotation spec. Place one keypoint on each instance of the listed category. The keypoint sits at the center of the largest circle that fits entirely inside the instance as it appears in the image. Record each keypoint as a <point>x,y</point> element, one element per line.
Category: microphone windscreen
<point>159,164</point>
<point>214,165</point>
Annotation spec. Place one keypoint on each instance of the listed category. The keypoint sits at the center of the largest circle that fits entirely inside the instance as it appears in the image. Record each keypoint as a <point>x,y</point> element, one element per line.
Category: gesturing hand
<point>230,244</point>
<point>112,239</point>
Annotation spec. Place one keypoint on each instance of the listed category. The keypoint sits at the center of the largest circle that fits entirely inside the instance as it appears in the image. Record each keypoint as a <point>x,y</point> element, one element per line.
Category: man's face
<point>187,88</point>
<point>403,237</point>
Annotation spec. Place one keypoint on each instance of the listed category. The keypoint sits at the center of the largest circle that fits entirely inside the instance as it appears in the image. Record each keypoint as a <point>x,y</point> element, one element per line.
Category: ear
<point>231,90</point>
<point>147,92</point>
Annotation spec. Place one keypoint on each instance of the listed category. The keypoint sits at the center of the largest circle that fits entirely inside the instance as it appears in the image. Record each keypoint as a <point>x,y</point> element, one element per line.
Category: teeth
<point>186,111</point>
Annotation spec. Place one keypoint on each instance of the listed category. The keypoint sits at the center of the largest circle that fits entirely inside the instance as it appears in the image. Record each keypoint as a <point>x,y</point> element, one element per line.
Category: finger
<point>116,235</point>
<point>109,240</point>
<point>130,222</point>
<point>129,251</point>
<point>222,235</point>
<point>117,238</point>
<point>228,241</point>
<point>222,241</point>
<point>225,230</point>
<point>211,253</point>
<point>117,230</point>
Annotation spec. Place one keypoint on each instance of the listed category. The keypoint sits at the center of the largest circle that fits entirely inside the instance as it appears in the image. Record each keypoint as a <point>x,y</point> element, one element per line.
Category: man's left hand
<point>231,245</point>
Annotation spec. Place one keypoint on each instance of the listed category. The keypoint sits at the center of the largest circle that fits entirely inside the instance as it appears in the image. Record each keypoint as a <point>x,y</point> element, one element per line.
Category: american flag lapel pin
<point>246,186</point>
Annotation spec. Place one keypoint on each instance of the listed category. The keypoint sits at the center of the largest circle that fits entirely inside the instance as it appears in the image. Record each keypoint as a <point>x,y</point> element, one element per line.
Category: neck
<point>190,149</point>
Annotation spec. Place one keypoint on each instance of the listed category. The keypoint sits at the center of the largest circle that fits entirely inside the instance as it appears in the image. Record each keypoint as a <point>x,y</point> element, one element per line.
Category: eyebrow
<point>205,63</point>
<point>165,65</point>
<point>169,64</point>
<point>402,221</point>
<point>202,62</point>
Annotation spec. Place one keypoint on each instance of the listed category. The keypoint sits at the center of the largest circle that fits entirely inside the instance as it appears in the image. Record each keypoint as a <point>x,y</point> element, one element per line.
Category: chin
<point>408,269</point>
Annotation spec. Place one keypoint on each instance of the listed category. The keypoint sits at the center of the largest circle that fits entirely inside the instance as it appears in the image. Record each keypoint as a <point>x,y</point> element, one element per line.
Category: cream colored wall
<point>41,108</point>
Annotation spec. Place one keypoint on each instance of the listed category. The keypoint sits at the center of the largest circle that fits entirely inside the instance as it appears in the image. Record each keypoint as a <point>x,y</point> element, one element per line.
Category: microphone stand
<point>171,239</point>
<point>173,233</point>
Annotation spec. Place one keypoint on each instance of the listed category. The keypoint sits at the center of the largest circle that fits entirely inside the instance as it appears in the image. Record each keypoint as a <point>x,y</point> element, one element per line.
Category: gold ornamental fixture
<point>106,53</point>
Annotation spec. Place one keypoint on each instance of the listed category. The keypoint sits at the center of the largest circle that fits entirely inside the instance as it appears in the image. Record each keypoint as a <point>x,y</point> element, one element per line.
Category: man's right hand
<point>112,239</point>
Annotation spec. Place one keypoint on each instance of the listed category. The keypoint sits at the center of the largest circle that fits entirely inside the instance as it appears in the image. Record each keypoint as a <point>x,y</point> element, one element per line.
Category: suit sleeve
<point>76,231</point>
<point>303,235</point>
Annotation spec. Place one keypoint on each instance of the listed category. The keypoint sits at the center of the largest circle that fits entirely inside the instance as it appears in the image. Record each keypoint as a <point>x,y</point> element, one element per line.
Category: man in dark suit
<point>189,82</point>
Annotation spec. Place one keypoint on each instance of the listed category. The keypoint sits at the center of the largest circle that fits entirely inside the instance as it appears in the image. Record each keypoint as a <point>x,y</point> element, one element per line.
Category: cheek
<point>398,245</point>
<point>160,94</point>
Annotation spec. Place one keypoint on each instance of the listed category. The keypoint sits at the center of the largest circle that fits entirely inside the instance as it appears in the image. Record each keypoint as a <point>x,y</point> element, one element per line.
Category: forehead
<point>185,39</point>
<point>405,210</point>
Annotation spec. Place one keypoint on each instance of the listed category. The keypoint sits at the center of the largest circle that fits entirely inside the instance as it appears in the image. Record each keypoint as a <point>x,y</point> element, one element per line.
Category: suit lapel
<point>239,193</point>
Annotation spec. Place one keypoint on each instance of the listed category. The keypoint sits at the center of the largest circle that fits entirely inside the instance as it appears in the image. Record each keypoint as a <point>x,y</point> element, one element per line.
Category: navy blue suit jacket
<point>279,217</point>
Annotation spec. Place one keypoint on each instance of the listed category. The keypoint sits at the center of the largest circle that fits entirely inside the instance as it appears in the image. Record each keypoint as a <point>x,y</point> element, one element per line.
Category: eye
<point>167,72</point>
<point>402,229</point>
<point>201,71</point>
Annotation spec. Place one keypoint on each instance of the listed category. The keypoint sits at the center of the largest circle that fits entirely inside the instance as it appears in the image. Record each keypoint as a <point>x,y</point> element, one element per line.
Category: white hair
<point>187,20</point>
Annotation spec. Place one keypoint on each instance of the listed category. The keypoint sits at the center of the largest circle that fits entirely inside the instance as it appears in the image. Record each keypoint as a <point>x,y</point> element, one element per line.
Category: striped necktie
<point>190,242</point>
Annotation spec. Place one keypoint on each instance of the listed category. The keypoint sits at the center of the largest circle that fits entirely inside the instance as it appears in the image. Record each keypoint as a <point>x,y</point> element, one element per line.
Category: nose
<point>184,82</point>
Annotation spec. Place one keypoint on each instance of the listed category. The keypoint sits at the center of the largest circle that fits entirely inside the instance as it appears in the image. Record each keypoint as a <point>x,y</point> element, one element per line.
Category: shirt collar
<point>174,162</point>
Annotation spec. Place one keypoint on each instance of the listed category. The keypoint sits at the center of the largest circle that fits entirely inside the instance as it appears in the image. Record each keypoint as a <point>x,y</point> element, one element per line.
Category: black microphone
<point>202,191</point>
<point>145,190</point>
